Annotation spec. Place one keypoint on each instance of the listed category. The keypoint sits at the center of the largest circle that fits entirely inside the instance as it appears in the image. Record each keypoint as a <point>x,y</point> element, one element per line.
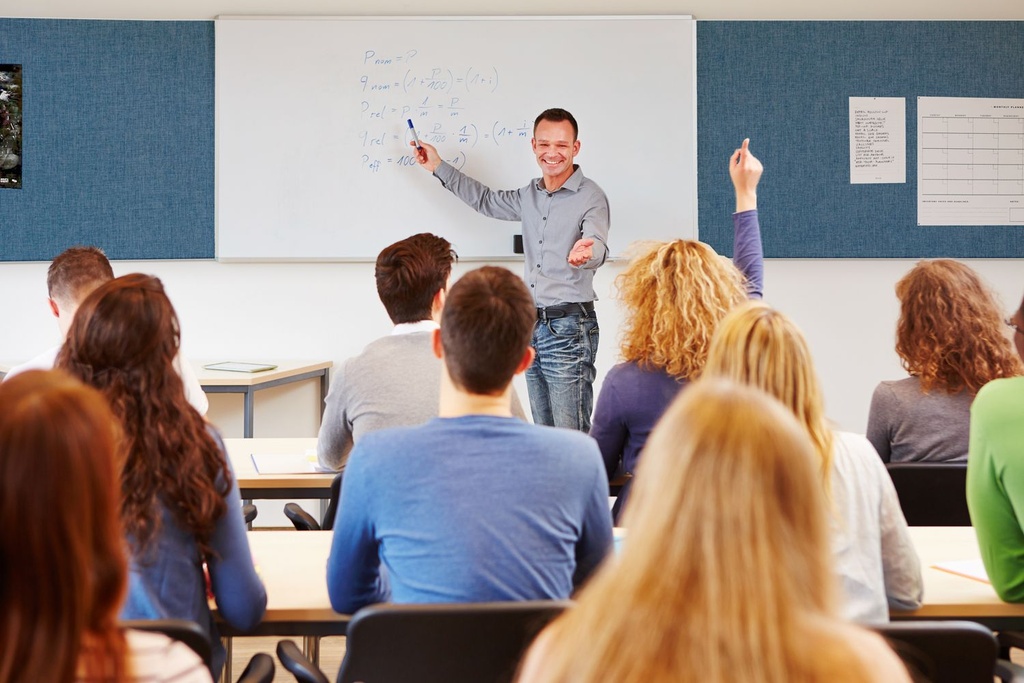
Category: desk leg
<point>325,386</point>
<point>311,648</point>
<point>248,410</point>
<point>225,675</point>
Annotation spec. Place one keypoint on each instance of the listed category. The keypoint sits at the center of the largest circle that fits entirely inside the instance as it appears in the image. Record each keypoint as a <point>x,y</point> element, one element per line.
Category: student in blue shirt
<point>475,505</point>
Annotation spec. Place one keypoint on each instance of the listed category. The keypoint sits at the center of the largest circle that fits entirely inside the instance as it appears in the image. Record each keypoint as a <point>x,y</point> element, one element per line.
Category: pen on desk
<point>414,136</point>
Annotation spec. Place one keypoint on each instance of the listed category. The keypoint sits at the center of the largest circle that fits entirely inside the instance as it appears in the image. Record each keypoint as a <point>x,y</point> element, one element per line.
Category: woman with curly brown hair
<point>950,338</point>
<point>63,565</point>
<point>674,295</point>
<point>180,503</point>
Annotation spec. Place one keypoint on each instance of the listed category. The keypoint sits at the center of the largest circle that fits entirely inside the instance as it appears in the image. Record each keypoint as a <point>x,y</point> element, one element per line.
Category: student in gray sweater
<point>395,381</point>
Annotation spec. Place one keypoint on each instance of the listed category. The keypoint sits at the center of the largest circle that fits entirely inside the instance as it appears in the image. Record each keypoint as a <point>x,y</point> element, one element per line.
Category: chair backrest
<point>187,632</point>
<point>932,494</point>
<point>450,643</point>
<point>943,651</point>
<point>332,504</point>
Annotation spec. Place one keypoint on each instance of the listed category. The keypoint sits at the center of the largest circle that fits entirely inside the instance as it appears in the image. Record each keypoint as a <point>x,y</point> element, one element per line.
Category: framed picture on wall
<point>10,126</point>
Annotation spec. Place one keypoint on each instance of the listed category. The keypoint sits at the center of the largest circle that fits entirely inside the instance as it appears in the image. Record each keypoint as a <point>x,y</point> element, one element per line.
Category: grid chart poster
<point>970,161</point>
<point>10,126</point>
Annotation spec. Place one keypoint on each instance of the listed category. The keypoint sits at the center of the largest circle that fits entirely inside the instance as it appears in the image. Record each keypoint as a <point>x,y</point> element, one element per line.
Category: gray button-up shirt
<point>552,223</point>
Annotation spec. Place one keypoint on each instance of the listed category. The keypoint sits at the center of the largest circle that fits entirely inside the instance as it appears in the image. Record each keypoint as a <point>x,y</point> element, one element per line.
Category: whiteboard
<point>313,158</point>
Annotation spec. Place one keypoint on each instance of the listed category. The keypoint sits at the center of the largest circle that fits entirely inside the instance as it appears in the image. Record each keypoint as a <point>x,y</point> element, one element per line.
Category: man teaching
<point>565,222</point>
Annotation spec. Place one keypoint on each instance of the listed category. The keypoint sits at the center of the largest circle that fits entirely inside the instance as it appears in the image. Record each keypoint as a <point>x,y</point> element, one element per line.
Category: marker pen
<point>414,137</point>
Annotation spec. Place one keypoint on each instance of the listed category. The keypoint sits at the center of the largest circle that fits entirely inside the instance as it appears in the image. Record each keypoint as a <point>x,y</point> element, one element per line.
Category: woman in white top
<point>63,559</point>
<point>726,574</point>
<point>874,556</point>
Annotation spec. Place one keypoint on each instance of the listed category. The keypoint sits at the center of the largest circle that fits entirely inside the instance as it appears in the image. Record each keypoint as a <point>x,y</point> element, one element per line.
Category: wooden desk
<point>247,384</point>
<point>254,485</point>
<point>293,566</point>
<point>948,596</point>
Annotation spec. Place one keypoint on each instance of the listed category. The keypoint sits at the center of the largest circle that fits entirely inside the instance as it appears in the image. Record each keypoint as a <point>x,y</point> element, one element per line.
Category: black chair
<point>932,494</point>
<point>182,630</point>
<point>260,669</point>
<point>249,513</point>
<point>449,643</point>
<point>297,664</point>
<point>303,521</point>
<point>949,652</point>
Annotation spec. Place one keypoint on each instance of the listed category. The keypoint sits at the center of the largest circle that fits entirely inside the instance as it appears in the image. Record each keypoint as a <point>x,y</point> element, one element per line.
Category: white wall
<point>263,311</point>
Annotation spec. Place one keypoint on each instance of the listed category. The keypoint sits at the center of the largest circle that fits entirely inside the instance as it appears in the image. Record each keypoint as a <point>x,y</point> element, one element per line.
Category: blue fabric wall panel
<point>787,85</point>
<point>118,139</point>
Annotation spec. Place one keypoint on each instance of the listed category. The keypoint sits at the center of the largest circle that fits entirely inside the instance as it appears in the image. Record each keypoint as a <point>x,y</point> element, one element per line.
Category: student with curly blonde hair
<point>63,565</point>
<point>674,296</point>
<point>728,495</point>
<point>950,339</point>
<point>759,346</point>
<point>180,503</point>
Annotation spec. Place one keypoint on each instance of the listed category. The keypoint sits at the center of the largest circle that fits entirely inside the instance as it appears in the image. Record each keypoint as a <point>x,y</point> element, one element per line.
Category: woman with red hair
<point>180,504</point>
<point>63,561</point>
<point>951,340</point>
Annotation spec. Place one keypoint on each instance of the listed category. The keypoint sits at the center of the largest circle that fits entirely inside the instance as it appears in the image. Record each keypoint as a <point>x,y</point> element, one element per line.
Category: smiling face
<point>555,146</point>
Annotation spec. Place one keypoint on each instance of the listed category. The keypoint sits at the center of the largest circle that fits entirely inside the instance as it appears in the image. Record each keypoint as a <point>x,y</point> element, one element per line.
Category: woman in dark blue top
<point>180,503</point>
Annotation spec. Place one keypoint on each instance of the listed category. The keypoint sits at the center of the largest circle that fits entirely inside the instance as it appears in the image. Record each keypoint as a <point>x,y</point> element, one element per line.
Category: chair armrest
<point>1008,672</point>
<point>259,670</point>
<point>297,664</point>
<point>300,519</point>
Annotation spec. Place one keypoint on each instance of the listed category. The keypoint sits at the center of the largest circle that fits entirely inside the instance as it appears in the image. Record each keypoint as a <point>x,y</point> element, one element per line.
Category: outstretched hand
<point>745,171</point>
<point>426,156</point>
<point>581,252</point>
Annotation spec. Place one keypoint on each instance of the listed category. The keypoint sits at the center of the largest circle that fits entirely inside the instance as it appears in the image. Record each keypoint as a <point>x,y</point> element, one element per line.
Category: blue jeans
<point>561,379</point>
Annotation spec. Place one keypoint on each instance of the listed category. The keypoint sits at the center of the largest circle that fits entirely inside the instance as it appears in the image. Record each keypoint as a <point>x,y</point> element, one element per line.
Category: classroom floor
<point>331,652</point>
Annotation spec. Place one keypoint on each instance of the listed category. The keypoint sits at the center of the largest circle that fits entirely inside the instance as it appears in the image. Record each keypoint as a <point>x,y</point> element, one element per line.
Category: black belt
<point>562,310</point>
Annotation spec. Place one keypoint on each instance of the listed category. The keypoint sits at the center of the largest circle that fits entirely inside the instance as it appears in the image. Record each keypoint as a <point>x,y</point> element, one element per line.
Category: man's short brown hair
<point>76,272</point>
<point>557,116</point>
<point>410,272</point>
<point>486,327</point>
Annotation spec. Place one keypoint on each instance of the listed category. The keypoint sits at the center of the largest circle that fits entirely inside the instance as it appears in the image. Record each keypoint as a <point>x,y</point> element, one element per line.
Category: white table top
<point>240,451</point>
<point>284,370</point>
<point>293,566</point>
<point>949,595</point>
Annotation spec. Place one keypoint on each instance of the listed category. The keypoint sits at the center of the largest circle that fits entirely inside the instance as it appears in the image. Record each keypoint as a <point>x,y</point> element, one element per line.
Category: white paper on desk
<point>972,569</point>
<point>878,140</point>
<point>286,463</point>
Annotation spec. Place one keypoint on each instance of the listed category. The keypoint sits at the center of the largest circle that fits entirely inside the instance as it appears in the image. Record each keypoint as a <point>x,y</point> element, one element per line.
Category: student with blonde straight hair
<point>759,346</point>
<point>726,574</point>
<point>63,558</point>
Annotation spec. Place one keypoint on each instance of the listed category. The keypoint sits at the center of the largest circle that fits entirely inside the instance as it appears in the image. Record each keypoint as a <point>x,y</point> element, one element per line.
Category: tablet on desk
<point>287,463</point>
<point>235,366</point>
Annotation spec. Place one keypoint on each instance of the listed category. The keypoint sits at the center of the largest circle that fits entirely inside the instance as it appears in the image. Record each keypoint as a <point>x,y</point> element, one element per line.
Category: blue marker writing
<point>414,137</point>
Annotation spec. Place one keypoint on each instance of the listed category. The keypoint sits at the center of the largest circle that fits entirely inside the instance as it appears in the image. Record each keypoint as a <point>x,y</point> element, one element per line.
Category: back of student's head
<point>674,295</point>
<point>123,341</point>
<point>76,272</point>
<point>486,327</point>
<point>410,272</point>
<point>757,345</point>
<point>950,329</point>
<point>726,568</point>
<point>62,555</point>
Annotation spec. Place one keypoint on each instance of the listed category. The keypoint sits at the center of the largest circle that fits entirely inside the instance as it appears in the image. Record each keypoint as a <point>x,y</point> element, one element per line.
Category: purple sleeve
<point>608,428</point>
<point>747,251</point>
